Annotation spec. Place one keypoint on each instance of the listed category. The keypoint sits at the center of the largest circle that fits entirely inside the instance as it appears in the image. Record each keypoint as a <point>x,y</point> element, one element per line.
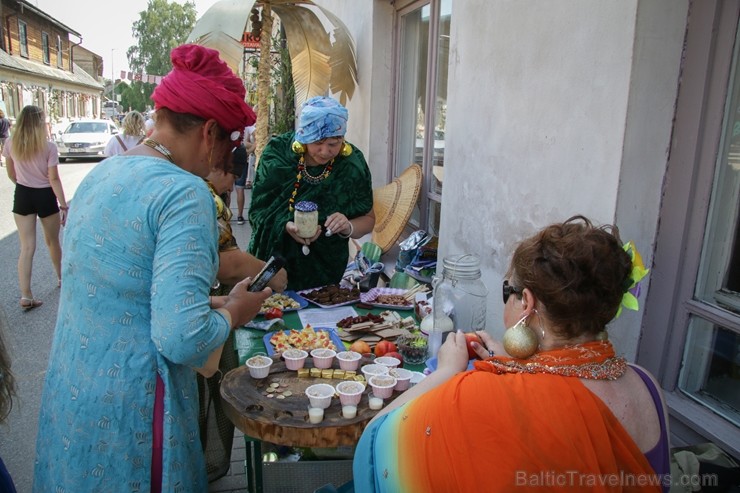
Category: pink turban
<point>201,84</point>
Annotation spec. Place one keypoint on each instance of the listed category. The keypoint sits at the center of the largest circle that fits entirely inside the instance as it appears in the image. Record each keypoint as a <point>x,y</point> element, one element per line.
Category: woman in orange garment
<point>566,415</point>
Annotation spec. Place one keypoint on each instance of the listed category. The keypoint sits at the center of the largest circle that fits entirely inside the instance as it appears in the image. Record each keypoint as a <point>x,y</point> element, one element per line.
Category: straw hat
<point>393,205</point>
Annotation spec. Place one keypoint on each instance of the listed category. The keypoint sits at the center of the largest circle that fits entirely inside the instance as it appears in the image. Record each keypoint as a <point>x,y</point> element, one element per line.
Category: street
<point>28,335</point>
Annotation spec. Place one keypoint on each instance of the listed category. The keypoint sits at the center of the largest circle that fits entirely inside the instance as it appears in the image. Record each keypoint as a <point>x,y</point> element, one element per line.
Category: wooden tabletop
<point>284,421</point>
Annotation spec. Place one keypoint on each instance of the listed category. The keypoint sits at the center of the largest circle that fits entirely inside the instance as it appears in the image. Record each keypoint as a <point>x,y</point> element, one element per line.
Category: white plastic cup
<point>315,415</point>
<point>350,392</point>
<point>349,412</point>
<point>259,366</point>
<point>349,360</point>
<point>320,394</point>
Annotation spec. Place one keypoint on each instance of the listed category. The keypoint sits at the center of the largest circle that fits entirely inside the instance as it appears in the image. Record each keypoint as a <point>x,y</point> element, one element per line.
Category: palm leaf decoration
<point>343,59</point>
<point>309,47</point>
<point>319,66</point>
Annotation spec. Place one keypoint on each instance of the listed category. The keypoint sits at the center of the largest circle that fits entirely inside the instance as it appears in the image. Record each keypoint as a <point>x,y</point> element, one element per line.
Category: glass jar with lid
<point>460,298</point>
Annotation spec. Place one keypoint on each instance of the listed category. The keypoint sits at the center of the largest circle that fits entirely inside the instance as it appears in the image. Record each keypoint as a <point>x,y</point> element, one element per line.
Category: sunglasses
<point>508,290</point>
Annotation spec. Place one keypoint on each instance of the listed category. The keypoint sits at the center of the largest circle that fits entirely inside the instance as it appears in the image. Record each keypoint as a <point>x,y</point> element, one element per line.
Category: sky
<point>105,25</point>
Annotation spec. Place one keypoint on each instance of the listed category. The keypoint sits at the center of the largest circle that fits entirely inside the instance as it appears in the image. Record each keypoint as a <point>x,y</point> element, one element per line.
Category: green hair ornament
<point>632,290</point>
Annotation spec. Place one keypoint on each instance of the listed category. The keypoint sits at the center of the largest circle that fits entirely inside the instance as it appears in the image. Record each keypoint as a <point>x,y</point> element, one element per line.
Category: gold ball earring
<point>298,148</point>
<point>346,150</point>
<point>520,341</point>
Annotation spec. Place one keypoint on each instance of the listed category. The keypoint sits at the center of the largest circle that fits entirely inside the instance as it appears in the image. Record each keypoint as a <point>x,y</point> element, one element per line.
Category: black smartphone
<point>273,265</point>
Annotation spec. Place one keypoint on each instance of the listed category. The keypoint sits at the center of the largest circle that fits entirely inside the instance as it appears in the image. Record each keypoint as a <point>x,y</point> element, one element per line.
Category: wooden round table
<point>284,421</point>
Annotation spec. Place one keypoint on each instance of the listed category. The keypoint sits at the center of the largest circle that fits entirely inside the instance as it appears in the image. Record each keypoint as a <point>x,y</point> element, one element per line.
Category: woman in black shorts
<point>32,161</point>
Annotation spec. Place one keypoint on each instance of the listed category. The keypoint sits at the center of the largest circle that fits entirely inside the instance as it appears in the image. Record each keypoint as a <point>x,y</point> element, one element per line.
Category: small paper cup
<point>350,392</point>
<point>382,385</point>
<point>323,357</point>
<point>349,360</point>
<point>259,366</point>
<point>373,369</point>
<point>315,415</point>
<point>403,378</point>
<point>320,394</point>
<point>295,358</point>
<point>388,361</point>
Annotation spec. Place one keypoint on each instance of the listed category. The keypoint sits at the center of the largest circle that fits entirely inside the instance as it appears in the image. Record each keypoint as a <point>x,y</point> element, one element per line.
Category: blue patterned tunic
<point>140,254</point>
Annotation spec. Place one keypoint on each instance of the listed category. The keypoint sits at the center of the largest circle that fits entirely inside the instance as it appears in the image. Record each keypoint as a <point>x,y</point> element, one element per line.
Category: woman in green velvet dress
<point>314,164</point>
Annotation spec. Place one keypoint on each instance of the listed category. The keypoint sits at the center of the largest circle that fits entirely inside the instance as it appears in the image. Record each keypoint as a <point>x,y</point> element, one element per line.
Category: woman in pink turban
<point>120,404</point>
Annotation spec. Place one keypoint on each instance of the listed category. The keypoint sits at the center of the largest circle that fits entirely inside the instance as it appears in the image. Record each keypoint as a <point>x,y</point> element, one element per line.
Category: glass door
<point>421,105</point>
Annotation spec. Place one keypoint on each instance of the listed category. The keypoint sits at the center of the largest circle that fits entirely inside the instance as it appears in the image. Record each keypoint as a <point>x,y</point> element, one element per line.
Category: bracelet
<point>351,230</point>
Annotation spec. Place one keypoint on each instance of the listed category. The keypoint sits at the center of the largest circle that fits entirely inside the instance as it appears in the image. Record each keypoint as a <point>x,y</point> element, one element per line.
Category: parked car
<point>85,138</point>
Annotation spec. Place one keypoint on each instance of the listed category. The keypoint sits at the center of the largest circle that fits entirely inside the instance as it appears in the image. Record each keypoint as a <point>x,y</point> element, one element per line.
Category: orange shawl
<point>518,432</point>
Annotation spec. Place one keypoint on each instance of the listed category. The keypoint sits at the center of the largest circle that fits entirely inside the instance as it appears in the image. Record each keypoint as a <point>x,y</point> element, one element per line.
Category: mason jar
<point>306,218</point>
<point>460,298</point>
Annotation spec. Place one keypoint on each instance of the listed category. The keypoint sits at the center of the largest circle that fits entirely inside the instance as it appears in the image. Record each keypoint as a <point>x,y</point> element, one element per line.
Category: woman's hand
<point>63,215</point>
<point>338,223</point>
<point>453,355</point>
<point>292,230</point>
<point>490,345</point>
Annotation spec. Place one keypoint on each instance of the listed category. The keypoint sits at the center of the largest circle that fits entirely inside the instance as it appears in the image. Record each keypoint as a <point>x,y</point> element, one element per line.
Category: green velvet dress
<point>347,189</point>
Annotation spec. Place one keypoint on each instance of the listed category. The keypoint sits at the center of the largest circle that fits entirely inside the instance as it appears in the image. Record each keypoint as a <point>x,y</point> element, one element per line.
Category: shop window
<point>423,44</point>
<point>23,38</point>
<point>45,48</point>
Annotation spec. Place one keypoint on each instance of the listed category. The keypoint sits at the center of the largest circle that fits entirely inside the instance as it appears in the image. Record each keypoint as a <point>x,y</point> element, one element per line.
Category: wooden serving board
<point>285,421</point>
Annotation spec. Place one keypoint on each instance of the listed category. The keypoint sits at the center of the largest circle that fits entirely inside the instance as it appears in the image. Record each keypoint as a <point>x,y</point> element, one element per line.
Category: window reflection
<point>711,372</point>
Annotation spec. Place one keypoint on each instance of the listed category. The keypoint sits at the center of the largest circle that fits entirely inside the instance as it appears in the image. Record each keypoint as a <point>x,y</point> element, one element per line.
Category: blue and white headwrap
<point>321,117</point>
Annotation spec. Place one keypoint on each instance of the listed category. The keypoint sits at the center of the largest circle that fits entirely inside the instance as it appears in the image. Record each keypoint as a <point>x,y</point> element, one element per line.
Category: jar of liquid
<point>460,299</point>
<point>306,218</point>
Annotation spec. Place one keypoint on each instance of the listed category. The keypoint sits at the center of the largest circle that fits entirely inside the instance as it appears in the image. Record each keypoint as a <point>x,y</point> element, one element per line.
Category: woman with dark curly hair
<point>553,408</point>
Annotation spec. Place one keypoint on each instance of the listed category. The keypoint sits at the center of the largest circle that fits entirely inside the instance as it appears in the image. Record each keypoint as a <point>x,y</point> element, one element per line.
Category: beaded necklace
<point>310,179</point>
<point>159,148</point>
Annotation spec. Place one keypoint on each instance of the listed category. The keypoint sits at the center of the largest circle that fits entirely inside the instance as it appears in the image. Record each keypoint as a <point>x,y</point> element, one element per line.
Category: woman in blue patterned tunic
<point>119,408</point>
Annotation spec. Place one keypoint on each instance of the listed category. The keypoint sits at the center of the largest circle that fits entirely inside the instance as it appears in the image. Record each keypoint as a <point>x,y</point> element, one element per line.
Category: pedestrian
<point>136,321</point>
<point>133,134</point>
<point>32,161</point>
<point>4,131</point>
<point>245,179</point>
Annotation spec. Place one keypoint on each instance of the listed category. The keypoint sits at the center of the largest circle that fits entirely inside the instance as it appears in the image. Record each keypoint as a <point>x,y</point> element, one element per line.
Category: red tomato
<point>472,337</point>
<point>396,355</point>
<point>384,347</point>
<point>273,313</point>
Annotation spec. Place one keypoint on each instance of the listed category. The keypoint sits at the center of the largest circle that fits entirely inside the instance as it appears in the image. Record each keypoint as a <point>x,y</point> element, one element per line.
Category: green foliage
<point>135,96</point>
<point>284,89</point>
<point>160,28</point>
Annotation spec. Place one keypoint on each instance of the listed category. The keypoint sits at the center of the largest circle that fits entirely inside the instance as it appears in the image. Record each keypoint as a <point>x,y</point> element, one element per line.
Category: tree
<point>160,28</point>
